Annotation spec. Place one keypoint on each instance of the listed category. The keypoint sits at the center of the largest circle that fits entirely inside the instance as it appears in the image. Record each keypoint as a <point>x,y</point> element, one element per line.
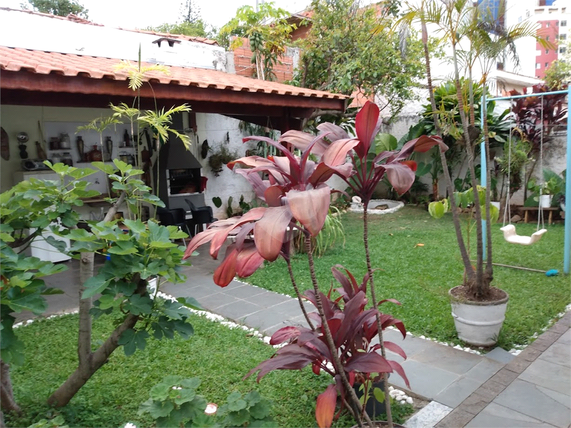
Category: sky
<point>146,13</point>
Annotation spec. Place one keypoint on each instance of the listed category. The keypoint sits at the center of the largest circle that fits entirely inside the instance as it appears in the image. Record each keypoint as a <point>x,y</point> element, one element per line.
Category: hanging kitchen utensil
<point>5,145</point>
<point>40,145</point>
<point>41,152</point>
<point>22,140</point>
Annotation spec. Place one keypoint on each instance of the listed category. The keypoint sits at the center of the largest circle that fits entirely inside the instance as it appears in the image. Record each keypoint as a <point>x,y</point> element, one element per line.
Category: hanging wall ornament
<point>204,150</point>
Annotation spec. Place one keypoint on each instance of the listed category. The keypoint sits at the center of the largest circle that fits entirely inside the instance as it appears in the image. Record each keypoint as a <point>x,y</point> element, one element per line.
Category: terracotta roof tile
<point>40,62</point>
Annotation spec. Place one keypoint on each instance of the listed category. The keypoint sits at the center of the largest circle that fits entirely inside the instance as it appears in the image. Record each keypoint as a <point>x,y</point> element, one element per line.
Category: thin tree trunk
<point>377,315</point>
<point>339,368</point>
<point>7,395</point>
<point>95,360</point>
<point>455,216</point>
<point>298,294</point>
<point>489,273</point>
<point>90,362</point>
<point>476,285</point>
<point>84,336</point>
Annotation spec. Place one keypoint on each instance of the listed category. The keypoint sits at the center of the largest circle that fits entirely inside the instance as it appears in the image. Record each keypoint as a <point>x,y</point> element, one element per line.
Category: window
<point>563,37</point>
<point>548,24</point>
<point>563,23</point>
<point>562,50</point>
<point>546,64</point>
<point>546,51</point>
<point>547,38</point>
<point>537,66</point>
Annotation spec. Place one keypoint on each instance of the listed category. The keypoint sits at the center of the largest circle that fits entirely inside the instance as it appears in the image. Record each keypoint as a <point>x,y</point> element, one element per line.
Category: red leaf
<point>270,230</point>
<point>334,132</point>
<point>368,363</point>
<point>316,368</point>
<point>323,172</point>
<point>398,368</point>
<point>425,142</point>
<point>248,261</point>
<point>367,125</point>
<point>220,238</point>
<point>325,408</point>
<point>225,273</point>
<point>400,176</point>
<point>273,196</point>
<point>198,240</point>
<point>310,207</point>
<point>284,334</point>
<point>411,164</point>
<point>336,154</point>
<point>393,347</point>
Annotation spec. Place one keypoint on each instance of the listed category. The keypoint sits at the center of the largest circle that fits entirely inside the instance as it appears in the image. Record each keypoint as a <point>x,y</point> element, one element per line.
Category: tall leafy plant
<point>298,197</point>
<point>467,32</point>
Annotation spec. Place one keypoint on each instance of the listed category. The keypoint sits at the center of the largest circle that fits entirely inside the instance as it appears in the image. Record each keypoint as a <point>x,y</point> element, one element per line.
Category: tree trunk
<point>455,217</point>
<point>72,385</point>
<point>7,395</point>
<point>90,362</point>
<point>339,368</point>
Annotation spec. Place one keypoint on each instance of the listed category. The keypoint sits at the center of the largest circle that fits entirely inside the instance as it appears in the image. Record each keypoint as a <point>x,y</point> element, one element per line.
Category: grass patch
<point>219,356</point>
<point>420,276</point>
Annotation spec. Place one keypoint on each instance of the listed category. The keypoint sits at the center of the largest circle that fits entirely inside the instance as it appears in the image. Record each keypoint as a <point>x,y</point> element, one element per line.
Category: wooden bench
<point>526,211</point>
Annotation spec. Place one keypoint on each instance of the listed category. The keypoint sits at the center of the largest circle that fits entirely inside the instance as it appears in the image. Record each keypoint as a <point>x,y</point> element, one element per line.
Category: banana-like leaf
<point>225,273</point>
<point>270,230</point>
<point>325,407</point>
<point>248,261</point>
<point>336,154</point>
<point>400,176</point>
<point>310,207</point>
<point>367,125</point>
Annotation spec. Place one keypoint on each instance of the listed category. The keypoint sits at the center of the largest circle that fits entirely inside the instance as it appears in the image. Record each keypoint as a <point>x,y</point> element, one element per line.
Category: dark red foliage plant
<point>294,188</point>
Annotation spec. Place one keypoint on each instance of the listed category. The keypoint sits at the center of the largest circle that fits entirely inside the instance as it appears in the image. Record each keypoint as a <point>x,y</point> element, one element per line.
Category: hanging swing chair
<point>510,234</point>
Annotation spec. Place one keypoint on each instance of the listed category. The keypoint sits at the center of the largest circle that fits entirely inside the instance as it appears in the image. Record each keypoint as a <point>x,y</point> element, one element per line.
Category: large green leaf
<point>133,340</point>
<point>139,305</point>
<point>94,285</point>
<point>156,409</point>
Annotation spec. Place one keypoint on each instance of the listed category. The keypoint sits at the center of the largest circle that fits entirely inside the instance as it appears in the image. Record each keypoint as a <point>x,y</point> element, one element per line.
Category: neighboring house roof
<point>74,18</point>
<point>32,77</point>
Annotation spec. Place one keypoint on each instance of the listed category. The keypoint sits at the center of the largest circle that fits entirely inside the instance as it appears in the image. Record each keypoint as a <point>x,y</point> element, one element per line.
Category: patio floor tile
<point>498,416</point>
<point>538,402</point>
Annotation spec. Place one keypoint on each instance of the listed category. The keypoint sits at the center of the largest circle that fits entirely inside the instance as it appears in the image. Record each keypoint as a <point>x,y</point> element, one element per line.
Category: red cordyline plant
<point>298,199</point>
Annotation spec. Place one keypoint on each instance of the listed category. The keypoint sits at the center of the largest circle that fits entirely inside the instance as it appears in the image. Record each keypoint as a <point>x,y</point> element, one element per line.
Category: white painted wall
<point>58,35</point>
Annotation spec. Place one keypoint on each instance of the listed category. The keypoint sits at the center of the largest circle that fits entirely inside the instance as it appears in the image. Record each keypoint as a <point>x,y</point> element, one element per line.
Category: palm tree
<point>467,31</point>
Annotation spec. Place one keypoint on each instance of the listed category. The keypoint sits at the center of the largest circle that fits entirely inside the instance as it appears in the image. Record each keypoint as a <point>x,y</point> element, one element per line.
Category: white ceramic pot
<point>545,201</point>
<point>479,323</point>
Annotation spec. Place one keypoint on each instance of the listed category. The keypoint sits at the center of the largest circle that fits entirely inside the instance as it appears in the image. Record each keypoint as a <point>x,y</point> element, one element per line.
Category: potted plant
<point>469,34</point>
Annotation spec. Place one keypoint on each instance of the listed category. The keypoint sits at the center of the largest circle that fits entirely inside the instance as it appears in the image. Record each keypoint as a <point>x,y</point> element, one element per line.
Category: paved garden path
<point>464,389</point>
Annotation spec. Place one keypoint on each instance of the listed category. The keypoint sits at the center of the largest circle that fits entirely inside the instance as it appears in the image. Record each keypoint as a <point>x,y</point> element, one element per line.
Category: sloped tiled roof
<point>77,19</point>
<point>70,65</point>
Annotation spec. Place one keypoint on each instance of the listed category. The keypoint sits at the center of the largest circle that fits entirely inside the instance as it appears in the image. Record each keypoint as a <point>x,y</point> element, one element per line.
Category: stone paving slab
<point>502,417</point>
<point>549,375</point>
<point>457,391</point>
<point>535,401</point>
<point>424,379</point>
<point>500,355</point>
<point>448,358</point>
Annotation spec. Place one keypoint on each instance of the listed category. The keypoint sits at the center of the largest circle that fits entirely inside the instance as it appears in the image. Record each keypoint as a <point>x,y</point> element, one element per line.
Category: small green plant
<point>331,232</point>
<point>57,422</point>
<point>174,402</point>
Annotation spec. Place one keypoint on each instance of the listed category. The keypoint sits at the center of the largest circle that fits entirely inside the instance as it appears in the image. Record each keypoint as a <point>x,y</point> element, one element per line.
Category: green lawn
<point>420,276</point>
<point>218,355</point>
